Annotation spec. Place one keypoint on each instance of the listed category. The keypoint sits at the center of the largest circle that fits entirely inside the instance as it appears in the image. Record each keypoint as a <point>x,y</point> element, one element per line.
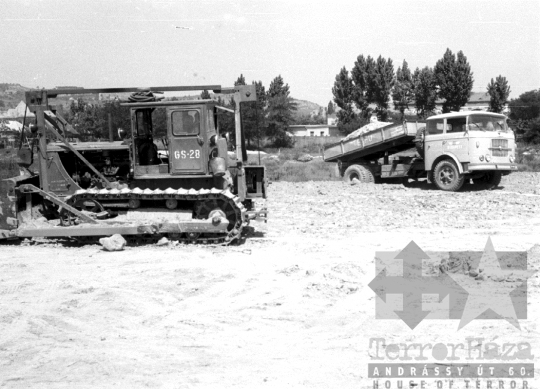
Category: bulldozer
<point>192,189</point>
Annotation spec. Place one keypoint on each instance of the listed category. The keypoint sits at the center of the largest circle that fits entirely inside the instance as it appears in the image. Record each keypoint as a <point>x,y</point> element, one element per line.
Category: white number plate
<point>187,154</point>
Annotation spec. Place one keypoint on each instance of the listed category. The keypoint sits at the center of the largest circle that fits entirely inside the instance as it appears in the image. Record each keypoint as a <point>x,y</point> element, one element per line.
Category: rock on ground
<point>113,243</point>
<point>162,242</point>
<point>305,158</point>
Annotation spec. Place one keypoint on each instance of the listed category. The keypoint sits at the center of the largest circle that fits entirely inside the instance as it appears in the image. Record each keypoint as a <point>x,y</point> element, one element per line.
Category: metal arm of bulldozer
<point>242,93</point>
<point>29,188</point>
<point>55,120</point>
<point>57,134</point>
<point>33,95</point>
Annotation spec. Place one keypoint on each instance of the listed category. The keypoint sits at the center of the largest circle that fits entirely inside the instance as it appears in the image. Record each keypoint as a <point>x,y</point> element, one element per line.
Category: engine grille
<point>499,147</point>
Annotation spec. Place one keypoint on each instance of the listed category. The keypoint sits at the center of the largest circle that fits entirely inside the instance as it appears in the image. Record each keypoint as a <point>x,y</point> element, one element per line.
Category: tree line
<point>371,82</point>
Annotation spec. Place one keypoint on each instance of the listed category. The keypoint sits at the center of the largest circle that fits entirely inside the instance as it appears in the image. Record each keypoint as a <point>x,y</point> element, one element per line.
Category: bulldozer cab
<point>184,147</point>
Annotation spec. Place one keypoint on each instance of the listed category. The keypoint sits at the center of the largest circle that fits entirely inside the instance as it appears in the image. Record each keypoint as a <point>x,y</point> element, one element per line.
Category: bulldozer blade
<point>12,204</point>
<point>198,226</point>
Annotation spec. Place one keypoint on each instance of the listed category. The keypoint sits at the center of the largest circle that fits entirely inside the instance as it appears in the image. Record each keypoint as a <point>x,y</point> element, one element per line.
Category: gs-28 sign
<point>189,154</point>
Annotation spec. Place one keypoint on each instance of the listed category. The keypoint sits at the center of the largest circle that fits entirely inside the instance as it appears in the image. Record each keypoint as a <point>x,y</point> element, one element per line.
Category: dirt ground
<point>289,307</point>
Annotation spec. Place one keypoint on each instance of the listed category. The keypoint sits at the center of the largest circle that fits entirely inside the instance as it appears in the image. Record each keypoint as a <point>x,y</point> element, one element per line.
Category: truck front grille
<point>499,147</point>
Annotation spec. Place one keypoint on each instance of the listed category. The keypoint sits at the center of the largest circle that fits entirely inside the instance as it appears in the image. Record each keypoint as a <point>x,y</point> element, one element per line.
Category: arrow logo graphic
<point>412,285</point>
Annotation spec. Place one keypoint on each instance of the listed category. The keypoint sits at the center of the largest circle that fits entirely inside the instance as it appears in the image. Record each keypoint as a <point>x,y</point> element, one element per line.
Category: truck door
<point>457,140</point>
<point>186,152</point>
<point>433,144</point>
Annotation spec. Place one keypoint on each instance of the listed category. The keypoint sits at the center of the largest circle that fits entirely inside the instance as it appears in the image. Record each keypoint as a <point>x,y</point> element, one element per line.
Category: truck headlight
<point>488,157</point>
<point>481,158</point>
<point>511,159</point>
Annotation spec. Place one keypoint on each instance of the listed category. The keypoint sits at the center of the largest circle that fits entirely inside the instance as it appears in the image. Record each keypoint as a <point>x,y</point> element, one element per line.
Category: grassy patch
<point>528,157</point>
<point>294,171</point>
<point>282,165</point>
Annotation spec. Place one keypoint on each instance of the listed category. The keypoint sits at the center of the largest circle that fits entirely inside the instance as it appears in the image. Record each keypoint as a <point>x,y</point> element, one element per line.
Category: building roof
<point>479,97</point>
<point>307,126</point>
<point>17,112</point>
<point>465,114</point>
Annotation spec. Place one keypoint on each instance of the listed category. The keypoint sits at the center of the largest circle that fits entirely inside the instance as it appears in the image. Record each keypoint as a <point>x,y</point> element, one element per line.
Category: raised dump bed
<point>373,144</point>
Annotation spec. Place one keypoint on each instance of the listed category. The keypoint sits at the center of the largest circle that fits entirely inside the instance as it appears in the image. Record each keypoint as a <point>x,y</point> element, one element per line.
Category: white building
<point>313,130</point>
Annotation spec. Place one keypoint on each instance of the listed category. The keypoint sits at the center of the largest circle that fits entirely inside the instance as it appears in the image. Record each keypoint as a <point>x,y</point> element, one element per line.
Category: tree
<point>252,113</point>
<point>278,87</point>
<point>205,95</point>
<point>498,91</point>
<point>330,110</point>
<point>454,80</point>
<point>532,131</point>
<point>381,85</point>
<point>372,83</point>
<point>343,97</point>
<point>403,93</point>
<point>240,81</point>
<point>85,119</point>
<point>120,117</point>
<point>279,113</point>
<point>361,76</point>
<point>525,115</point>
<point>424,92</point>
<point>526,107</point>
<point>225,120</point>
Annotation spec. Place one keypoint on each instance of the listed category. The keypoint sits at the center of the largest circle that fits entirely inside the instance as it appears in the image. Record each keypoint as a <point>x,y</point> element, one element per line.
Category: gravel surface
<point>288,307</point>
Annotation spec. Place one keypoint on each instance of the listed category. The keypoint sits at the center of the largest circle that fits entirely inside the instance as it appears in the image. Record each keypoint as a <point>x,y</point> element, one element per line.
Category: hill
<point>306,108</point>
<point>11,95</point>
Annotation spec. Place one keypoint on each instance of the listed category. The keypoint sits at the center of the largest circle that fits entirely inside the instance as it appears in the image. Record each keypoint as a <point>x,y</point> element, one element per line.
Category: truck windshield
<point>487,123</point>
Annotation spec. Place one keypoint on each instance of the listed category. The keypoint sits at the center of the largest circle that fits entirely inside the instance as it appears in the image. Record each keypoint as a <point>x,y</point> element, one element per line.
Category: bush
<point>532,131</point>
<point>528,157</point>
<point>282,139</point>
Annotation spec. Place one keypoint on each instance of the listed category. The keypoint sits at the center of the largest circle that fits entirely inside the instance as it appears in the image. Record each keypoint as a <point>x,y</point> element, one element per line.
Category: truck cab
<point>468,145</point>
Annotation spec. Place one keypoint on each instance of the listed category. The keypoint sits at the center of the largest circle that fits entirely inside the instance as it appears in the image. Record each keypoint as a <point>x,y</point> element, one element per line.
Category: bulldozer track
<point>206,200</point>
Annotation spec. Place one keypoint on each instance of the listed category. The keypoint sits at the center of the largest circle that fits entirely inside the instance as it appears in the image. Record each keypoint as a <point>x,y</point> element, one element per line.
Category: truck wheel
<point>447,177</point>
<point>489,180</point>
<point>358,172</point>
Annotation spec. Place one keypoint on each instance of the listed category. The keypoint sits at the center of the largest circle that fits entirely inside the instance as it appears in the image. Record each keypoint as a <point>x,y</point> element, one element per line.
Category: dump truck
<point>451,149</point>
<point>190,191</point>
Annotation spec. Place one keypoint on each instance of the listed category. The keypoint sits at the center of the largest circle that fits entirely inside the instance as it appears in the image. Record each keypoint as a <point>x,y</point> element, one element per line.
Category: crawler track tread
<point>228,199</point>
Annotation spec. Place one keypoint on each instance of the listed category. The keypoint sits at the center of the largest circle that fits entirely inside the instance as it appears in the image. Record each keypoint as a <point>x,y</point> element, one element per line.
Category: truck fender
<point>445,156</point>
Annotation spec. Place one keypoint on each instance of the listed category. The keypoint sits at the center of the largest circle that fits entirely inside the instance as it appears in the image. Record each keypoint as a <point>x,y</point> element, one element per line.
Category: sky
<point>116,43</point>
